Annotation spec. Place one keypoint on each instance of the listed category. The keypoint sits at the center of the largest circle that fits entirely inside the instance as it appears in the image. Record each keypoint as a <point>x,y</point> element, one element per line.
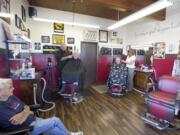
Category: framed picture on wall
<point>5,8</point>
<point>28,33</point>
<point>159,50</point>
<point>58,39</point>
<point>23,10</point>
<point>17,21</point>
<point>59,27</point>
<point>45,39</point>
<point>103,36</point>
<point>37,46</point>
<point>25,48</point>
<point>70,40</point>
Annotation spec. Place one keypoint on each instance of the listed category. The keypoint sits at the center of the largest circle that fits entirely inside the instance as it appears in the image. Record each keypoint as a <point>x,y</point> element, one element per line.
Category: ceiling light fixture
<point>142,13</point>
<point>68,23</point>
<point>6,15</point>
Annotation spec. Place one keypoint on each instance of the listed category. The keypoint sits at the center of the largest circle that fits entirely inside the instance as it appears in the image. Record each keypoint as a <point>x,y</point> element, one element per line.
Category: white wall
<point>15,8</point>
<point>45,28</point>
<point>147,31</point>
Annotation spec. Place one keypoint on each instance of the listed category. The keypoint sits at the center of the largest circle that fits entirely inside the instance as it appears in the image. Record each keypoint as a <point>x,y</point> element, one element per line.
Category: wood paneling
<point>111,9</point>
<point>102,114</point>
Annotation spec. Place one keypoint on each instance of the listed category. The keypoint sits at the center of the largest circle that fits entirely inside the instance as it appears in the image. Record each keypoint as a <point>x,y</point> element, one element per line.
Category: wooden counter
<point>141,78</point>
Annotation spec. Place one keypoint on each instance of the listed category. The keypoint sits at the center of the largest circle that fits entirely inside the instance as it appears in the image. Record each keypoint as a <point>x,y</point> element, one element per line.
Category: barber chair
<point>116,90</point>
<point>163,103</point>
<point>26,130</point>
<point>69,91</point>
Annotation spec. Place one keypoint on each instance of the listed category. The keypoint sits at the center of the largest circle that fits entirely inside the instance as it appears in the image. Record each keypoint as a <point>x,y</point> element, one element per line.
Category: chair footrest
<point>153,121</point>
<point>117,94</point>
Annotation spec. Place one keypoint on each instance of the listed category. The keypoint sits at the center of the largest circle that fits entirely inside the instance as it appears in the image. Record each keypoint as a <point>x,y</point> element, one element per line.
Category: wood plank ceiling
<point>110,9</point>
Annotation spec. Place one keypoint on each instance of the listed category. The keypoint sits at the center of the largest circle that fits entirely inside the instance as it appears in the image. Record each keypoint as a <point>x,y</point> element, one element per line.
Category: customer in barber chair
<point>15,114</point>
<point>74,70</point>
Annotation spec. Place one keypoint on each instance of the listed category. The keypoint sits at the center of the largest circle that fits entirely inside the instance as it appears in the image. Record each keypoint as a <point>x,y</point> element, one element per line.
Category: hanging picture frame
<point>45,39</point>
<point>159,50</point>
<point>17,21</point>
<point>23,12</point>
<point>28,33</point>
<point>59,27</point>
<point>70,40</point>
<point>58,39</point>
<point>103,36</point>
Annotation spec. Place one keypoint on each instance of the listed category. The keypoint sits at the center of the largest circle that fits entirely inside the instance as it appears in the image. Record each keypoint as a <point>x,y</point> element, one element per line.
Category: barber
<point>130,64</point>
<point>62,56</point>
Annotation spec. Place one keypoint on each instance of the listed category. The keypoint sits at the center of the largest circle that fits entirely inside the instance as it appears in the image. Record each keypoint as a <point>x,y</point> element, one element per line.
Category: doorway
<point>89,58</point>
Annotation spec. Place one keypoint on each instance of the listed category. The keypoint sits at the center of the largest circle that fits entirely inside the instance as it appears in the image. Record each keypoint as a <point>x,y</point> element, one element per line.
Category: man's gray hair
<point>4,81</point>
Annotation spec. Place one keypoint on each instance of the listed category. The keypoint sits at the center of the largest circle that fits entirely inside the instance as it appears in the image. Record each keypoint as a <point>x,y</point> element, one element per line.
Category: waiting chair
<point>163,103</point>
<point>23,130</point>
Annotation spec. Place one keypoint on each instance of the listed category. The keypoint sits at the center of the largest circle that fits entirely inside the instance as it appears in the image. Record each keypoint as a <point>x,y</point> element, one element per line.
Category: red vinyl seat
<point>162,97</point>
<point>164,101</point>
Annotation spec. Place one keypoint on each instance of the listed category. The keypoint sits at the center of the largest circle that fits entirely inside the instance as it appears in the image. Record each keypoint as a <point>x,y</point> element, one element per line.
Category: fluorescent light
<point>69,23</point>
<point>6,15</point>
<point>142,13</point>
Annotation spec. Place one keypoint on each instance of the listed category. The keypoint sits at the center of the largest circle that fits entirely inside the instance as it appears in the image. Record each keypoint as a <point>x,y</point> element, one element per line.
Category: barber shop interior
<point>89,67</point>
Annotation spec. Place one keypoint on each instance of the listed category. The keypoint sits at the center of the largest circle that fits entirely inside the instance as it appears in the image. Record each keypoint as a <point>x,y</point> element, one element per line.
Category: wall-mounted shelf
<point>17,42</point>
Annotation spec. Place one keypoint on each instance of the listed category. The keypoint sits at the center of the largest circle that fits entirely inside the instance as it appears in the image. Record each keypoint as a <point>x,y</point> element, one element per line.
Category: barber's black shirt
<point>10,108</point>
<point>61,63</point>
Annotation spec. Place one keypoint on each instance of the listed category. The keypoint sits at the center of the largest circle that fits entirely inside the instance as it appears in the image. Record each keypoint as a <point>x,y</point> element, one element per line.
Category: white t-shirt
<point>129,59</point>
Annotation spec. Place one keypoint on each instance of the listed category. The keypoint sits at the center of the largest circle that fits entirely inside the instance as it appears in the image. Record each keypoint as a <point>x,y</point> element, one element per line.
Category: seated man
<point>15,114</point>
<point>74,71</point>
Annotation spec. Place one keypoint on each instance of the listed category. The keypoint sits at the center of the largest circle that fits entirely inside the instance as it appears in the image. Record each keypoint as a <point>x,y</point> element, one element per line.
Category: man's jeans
<point>51,126</point>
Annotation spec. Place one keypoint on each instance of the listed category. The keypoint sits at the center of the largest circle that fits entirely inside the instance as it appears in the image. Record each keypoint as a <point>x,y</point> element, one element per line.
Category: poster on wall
<point>59,27</point>
<point>5,8</point>
<point>159,50</point>
<point>90,35</point>
<point>50,49</point>
<point>172,49</point>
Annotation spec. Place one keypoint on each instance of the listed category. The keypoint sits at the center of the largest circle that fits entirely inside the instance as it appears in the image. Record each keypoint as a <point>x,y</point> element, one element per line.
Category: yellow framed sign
<point>59,27</point>
<point>58,39</point>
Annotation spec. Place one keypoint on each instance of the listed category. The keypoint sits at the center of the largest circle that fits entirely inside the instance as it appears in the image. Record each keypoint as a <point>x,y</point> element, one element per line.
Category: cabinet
<point>141,78</point>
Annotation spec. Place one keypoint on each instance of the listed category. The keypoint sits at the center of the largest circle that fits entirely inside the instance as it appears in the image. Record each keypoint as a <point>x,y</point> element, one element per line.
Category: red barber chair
<point>163,103</point>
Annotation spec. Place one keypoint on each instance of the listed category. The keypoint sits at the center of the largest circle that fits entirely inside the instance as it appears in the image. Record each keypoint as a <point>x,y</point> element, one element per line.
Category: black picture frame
<point>70,40</point>
<point>103,36</point>
<point>18,21</point>
<point>37,46</point>
<point>23,12</point>
<point>45,39</point>
<point>28,33</point>
<point>58,27</point>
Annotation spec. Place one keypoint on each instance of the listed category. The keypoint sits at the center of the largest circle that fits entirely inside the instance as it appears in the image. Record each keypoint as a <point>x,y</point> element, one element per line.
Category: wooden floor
<point>101,114</point>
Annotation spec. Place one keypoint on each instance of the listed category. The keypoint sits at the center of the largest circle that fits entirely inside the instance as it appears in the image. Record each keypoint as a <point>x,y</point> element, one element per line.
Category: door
<point>89,59</point>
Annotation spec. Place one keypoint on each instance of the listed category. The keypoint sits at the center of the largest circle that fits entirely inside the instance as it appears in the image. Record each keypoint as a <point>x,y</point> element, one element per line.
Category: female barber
<point>130,64</point>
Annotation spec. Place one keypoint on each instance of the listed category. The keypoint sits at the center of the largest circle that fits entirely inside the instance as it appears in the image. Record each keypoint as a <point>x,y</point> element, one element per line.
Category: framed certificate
<point>103,36</point>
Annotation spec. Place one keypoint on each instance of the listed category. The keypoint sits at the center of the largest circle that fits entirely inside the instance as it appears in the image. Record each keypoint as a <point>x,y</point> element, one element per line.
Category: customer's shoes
<point>77,99</point>
<point>76,133</point>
